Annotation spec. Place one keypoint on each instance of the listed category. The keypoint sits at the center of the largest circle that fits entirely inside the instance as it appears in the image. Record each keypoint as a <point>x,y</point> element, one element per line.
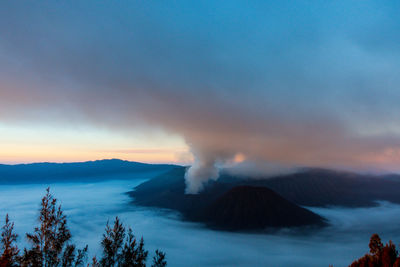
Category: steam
<point>291,88</point>
<point>205,167</point>
<point>199,173</point>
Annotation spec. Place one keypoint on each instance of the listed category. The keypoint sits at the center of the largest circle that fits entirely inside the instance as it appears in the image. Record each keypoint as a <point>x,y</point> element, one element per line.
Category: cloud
<point>342,242</point>
<point>292,84</point>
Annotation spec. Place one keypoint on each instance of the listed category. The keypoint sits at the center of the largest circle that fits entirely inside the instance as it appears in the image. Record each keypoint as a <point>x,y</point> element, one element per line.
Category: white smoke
<point>198,174</point>
<point>205,167</point>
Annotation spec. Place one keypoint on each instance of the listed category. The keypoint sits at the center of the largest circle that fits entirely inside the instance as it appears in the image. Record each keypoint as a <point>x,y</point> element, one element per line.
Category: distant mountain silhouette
<point>223,205</point>
<point>80,171</point>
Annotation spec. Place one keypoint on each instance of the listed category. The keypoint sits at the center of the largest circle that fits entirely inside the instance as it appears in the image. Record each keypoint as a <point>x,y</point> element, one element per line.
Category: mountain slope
<point>316,187</point>
<point>312,187</point>
<point>249,207</point>
<point>79,171</point>
<point>218,206</point>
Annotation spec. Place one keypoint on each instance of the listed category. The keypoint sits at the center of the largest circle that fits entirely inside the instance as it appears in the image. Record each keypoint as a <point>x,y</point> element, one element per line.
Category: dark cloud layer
<point>289,83</point>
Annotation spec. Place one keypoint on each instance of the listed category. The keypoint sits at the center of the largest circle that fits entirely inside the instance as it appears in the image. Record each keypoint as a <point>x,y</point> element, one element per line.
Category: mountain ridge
<point>168,191</point>
<point>307,188</point>
<point>79,171</point>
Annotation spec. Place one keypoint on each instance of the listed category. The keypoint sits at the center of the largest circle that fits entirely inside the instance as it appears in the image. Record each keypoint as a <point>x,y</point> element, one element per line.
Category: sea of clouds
<point>89,206</point>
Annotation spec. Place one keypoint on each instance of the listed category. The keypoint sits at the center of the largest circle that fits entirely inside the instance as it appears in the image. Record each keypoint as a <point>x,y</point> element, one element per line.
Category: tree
<point>50,240</point>
<point>159,259</point>
<point>397,263</point>
<point>380,255</point>
<point>375,244</point>
<point>388,255</point>
<point>51,246</point>
<point>112,243</point>
<point>141,254</point>
<point>133,254</point>
<point>95,263</point>
<point>121,251</point>
<point>9,250</point>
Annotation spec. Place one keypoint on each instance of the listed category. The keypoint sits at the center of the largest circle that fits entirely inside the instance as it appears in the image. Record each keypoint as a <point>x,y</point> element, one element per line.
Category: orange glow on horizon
<point>27,143</point>
<point>30,154</point>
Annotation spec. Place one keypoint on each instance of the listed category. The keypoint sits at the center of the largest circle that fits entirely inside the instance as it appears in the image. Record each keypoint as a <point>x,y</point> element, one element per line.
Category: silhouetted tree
<point>9,250</point>
<point>375,244</point>
<point>388,255</point>
<point>49,241</point>
<point>141,254</point>
<point>131,256</point>
<point>112,243</point>
<point>121,251</point>
<point>379,256</point>
<point>51,247</point>
<point>397,263</point>
<point>129,253</point>
<point>159,259</point>
<point>95,263</point>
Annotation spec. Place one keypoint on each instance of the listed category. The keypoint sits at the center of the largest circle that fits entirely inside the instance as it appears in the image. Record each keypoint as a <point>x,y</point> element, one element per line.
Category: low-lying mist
<point>89,206</point>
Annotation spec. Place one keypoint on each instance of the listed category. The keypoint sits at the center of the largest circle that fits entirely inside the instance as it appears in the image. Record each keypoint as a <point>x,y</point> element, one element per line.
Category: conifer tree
<point>120,251</point>
<point>9,250</point>
<point>159,259</point>
<point>141,254</point>
<point>50,240</point>
<point>95,263</point>
<point>375,244</point>
<point>380,255</point>
<point>112,243</point>
<point>50,244</point>
<point>129,253</point>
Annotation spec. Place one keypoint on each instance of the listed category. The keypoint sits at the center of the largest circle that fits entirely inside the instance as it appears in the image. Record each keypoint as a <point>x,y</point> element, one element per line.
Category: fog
<point>89,206</point>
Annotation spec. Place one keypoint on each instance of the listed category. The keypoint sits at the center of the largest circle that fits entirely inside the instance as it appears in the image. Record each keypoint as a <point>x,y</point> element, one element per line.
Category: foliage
<point>50,240</point>
<point>120,249</point>
<point>380,255</point>
<point>50,244</point>
<point>9,250</point>
<point>159,259</point>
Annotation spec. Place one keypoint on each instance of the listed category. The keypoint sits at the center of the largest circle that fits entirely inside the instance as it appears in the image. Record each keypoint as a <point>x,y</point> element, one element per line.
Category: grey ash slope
<point>89,171</point>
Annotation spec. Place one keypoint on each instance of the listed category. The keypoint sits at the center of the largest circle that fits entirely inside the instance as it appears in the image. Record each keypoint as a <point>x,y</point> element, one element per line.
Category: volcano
<point>224,205</point>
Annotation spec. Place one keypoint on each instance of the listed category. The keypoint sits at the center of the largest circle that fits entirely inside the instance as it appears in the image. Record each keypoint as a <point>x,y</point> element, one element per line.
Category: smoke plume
<point>275,82</point>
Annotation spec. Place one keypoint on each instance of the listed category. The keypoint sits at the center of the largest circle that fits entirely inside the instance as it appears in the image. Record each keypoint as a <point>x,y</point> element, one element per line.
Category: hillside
<point>249,207</point>
<point>220,206</point>
<point>309,187</point>
<point>312,187</point>
<point>79,171</point>
<point>318,187</point>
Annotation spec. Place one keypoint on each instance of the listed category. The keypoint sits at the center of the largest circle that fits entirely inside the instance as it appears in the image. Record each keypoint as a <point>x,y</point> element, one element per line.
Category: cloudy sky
<point>293,83</point>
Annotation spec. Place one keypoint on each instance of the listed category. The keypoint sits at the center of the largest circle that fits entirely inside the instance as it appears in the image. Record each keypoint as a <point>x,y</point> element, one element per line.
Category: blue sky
<point>295,83</point>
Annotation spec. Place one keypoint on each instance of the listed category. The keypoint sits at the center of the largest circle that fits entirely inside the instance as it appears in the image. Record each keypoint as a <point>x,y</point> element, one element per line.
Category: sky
<point>287,83</point>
